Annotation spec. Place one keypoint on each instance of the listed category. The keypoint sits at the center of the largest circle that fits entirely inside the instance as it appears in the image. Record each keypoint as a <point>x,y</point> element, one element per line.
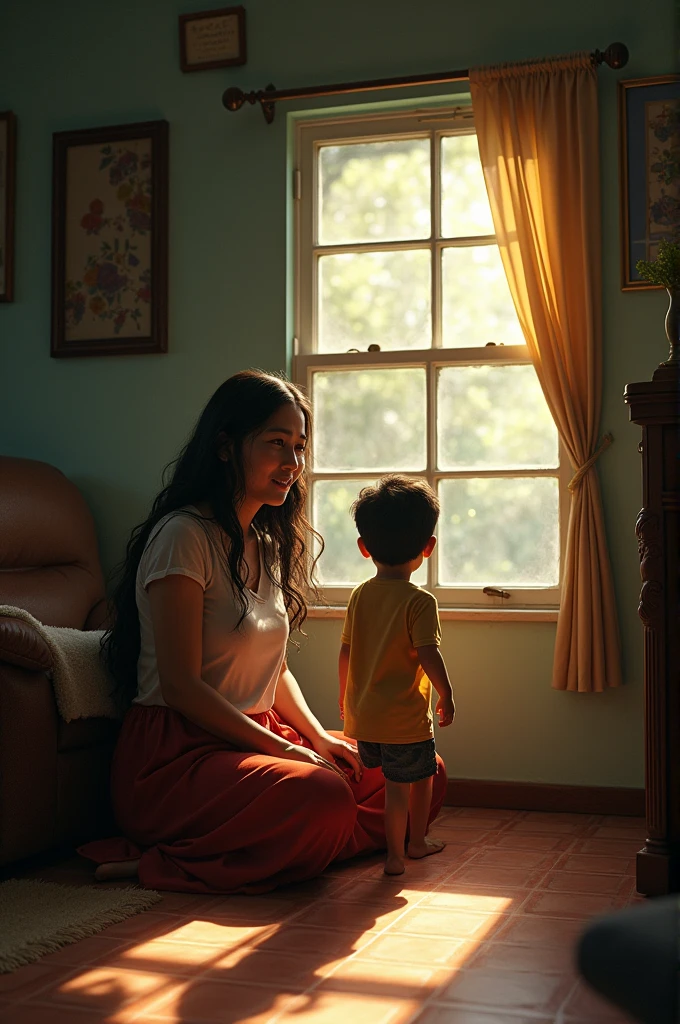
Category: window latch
<point>495,592</point>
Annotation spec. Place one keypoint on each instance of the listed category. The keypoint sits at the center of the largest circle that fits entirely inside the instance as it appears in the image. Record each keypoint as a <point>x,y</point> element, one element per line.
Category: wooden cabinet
<point>655,406</point>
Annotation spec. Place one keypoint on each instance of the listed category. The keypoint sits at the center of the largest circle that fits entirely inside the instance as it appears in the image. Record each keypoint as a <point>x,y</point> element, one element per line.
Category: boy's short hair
<point>396,518</point>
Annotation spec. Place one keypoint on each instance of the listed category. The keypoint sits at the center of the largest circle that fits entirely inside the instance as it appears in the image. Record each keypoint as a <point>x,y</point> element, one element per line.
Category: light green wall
<point>112,423</point>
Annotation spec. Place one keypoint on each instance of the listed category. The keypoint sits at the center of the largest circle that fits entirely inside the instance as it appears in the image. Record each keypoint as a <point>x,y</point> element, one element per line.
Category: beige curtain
<point>537,127</point>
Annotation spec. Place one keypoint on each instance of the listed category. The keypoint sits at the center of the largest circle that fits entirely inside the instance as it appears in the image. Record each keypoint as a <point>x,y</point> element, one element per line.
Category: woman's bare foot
<point>394,865</point>
<point>425,849</point>
<point>116,869</point>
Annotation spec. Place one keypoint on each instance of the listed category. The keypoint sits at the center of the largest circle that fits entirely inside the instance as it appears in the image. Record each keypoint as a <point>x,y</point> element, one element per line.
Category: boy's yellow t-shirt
<point>388,695</point>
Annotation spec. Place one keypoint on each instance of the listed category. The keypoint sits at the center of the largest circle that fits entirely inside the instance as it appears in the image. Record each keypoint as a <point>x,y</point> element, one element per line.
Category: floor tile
<point>251,911</point>
<point>597,864</point>
<point>220,1001</point>
<point>503,858</point>
<point>32,978</point>
<point>85,951</point>
<point>368,978</point>
<point>28,1013</point>
<point>539,825</point>
<point>413,949</point>
<point>531,841</point>
<point>486,813</point>
<point>183,903</point>
<point>429,870</point>
<point>534,930</point>
<point>214,933</point>
<point>571,905</point>
<point>585,1005</point>
<point>616,832</point>
<point>352,917</point>
<point>608,847</point>
<point>159,955</point>
<point>326,943</point>
<point>478,821</point>
<point>522,991</point>
<point>149,924</point>
<point>440,922</point>
<point>294,969</point>
<point>435,1014</point>
<point>321,1007</point>
<point>382,893</point>
<point>103,988</point>
<point>563,816</point>
<point>485,874</point>
<point>454,833</point>
<point>497,956</point>
<point>585,882</point>
<point>624,821</point>
<point>478,898</point>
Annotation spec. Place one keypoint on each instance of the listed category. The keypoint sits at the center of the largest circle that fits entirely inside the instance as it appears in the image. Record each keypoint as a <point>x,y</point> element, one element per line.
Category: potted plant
<point>665,271</point>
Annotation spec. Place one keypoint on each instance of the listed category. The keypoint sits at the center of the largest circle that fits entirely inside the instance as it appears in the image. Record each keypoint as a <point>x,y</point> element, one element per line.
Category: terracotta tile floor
<point>481,934</point>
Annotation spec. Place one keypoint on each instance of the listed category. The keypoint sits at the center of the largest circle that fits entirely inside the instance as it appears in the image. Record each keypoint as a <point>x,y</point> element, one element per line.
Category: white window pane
<point>499,531</point>
<point>465,204</point>
<point>493,417</point>
<point>369,420</point>
<point>341,563</point>
<point>476,303</point>
<point>374,190</point>
<point>369,298</point>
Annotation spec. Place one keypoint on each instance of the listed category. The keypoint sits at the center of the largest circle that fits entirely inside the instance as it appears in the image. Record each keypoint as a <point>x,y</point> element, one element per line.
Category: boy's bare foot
<point>116,869</point>
<point>425,849</point>
<point>394,865</point>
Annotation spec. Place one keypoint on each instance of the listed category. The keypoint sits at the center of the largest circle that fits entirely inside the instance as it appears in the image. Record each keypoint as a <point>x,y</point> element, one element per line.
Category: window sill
<point>458,614</point>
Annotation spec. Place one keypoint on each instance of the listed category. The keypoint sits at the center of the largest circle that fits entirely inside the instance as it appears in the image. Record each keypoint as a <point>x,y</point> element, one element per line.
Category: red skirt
<point>204,817</point>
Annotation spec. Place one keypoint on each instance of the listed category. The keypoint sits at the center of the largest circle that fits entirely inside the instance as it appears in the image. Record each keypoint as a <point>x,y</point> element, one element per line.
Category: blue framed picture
<point>649,164</point>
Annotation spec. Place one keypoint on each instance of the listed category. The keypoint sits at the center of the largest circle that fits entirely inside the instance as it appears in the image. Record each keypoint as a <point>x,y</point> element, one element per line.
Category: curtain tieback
<point>582,470</point>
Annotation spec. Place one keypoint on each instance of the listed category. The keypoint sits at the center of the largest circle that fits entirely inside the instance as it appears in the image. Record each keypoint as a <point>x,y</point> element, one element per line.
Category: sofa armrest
<point>23,646</point>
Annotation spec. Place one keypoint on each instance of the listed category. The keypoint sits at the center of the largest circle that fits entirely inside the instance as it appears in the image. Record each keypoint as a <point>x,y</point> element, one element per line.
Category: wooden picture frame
<point>8,129</point>
<point>212,39</point>
<point>110,240</point>
<point>649,178</point>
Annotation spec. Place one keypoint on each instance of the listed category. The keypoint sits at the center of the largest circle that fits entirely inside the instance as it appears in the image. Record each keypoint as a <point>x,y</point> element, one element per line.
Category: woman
<point>223,780</point>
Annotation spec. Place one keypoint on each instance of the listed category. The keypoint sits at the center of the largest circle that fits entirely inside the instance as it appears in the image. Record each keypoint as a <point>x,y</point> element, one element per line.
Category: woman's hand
<point>332,749</point>
<point>296,752</point>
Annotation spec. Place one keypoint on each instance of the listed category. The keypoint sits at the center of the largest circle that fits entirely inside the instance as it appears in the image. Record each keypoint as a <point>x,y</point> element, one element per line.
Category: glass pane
<point>499,531</point>
<point>368,298</point>
<point>465,204</point>
<point>369,420</point>
<point>476,303</point>
<point>493,417</point>
<point>341,563</point>
<point>374,190</point>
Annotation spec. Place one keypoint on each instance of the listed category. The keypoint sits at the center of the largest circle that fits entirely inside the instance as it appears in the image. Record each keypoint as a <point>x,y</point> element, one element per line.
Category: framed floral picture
<point>649,160</point>
<point>110,240</point>
<point>7,202</point>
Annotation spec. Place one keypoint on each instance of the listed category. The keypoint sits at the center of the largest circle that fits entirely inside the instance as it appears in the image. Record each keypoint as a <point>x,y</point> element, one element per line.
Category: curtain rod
<point>615,56</point>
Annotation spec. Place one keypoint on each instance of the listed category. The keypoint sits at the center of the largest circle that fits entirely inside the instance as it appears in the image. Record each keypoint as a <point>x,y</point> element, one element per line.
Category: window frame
<point>310,135</point>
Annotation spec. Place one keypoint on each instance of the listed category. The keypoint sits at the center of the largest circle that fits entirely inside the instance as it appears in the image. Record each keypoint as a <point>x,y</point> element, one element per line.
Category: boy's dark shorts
<point>400,762</point>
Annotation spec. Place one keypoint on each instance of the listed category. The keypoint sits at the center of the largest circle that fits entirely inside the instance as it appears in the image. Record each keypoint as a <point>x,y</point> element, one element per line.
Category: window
<point>408,342</point>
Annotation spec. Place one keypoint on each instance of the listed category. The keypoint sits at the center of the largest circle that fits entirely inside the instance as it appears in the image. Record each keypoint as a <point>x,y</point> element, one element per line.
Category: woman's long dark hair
<point>239,407</point>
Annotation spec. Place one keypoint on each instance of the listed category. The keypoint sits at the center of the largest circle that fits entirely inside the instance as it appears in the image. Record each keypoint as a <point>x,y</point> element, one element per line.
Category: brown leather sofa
<point>54,776</point>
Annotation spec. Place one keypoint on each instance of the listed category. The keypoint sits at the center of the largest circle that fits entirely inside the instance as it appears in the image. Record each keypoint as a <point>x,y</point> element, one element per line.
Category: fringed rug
<point>40,917</point>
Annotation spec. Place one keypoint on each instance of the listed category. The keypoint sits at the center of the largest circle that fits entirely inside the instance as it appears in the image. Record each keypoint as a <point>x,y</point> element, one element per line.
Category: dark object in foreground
<point>632,959</point>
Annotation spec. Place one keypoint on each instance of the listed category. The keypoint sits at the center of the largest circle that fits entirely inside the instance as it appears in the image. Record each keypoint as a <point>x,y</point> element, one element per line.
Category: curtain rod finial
<point>233,98</point>
<point>615,56</point>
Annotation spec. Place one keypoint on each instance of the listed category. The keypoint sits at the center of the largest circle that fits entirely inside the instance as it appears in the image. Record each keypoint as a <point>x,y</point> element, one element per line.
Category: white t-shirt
<point>242,664</point>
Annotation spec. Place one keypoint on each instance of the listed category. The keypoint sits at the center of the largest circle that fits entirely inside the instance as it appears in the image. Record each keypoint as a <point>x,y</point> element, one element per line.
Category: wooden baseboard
<point>539,796</point>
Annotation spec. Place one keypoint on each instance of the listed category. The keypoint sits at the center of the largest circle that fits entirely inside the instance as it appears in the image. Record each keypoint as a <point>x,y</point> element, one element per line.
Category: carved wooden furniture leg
<point>655,406</point>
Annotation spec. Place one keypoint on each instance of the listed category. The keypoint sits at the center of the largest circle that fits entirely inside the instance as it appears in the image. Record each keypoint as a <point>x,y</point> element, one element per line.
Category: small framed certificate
<point>212,39</point>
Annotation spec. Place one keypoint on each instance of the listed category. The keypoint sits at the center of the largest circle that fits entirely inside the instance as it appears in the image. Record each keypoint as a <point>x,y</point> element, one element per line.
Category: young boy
<point>390,656</point>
